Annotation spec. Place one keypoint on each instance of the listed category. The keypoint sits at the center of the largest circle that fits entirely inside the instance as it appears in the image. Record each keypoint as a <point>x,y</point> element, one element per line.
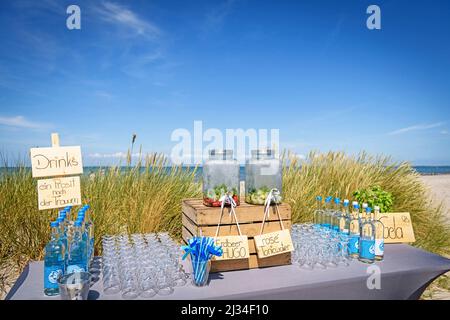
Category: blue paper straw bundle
<point>201,250</point>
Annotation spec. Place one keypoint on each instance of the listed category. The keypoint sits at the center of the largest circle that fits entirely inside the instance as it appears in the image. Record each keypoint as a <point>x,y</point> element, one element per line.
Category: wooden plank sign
<point>273,243</point>
<point>397,227</point>
<point>234,247</point>
<point>56,161</point>
<point>59,192</point>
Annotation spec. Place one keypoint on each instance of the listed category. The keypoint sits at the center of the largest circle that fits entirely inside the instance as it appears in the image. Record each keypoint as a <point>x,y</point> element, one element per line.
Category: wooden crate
<point>197,218</point>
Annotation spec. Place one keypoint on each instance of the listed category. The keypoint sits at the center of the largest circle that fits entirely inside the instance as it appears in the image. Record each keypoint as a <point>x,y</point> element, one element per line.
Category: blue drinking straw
<point>201,249</point>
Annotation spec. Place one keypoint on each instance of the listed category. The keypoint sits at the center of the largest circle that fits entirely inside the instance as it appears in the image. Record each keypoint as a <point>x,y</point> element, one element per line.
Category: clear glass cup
<point>74,286</point>
<point>200,272</point>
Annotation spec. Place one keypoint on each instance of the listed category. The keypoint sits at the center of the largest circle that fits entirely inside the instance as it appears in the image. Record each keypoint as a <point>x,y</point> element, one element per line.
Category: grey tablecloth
<point>405,274</point>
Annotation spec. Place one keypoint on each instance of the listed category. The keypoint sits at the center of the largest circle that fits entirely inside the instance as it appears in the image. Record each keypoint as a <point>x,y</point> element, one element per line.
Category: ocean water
<point>423,170</point>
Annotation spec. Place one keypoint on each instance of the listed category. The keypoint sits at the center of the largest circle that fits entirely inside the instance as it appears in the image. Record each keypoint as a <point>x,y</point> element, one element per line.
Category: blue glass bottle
<point>85,234</point>
<point>367,240</point>
<point>354,233</point>
<point>318,214</point>
<point>62,234</point>
<point>67,210</point>
<point>53,261</point>
<point>379,234</point>
<point>336,215</point>
<point>77,259</point>
<point>326,222</point>
<point>90,229</point>
<point>344,219</point>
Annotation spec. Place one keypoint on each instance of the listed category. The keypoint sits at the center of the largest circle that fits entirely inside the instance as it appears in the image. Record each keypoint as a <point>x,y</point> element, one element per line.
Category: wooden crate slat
<point>250,263</point>
<point>248,229</point>
<point>246,213</point>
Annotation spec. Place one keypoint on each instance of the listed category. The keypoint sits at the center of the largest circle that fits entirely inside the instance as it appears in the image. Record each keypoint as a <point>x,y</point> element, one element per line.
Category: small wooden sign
<point>56,161</point>
<point>273,243</point>
<point>397,227</point>
<point>234,247</point>
<point>59,192</point>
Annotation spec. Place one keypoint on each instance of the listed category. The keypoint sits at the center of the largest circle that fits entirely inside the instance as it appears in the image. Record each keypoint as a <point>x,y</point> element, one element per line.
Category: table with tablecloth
<point>404,274</point>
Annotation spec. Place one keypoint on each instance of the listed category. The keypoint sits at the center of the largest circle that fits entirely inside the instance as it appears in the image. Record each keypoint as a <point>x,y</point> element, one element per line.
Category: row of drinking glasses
<point>318,247</point>
<point>144,265</point>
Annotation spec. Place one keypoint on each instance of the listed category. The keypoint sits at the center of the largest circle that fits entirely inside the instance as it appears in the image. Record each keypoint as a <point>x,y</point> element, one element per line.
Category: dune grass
<point>147,198</point>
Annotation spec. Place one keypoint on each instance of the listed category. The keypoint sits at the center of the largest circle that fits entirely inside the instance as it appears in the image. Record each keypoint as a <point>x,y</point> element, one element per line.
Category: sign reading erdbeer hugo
<point>56,161</point>
<point>234,247</point>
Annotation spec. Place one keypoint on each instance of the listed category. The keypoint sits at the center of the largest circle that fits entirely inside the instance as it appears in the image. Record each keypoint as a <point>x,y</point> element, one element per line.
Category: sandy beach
<point>439,186</point>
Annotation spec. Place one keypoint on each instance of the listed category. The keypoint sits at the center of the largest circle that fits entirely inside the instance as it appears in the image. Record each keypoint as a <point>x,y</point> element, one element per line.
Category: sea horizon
<point>421,169</point>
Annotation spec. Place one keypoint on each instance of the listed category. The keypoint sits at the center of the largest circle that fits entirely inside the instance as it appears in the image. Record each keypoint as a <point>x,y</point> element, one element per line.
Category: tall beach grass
<point>147,198</point>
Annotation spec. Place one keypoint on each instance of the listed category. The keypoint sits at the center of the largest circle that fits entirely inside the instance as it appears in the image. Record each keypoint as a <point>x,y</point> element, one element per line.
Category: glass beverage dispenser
<point>220,177</point>
<point>263,173</point>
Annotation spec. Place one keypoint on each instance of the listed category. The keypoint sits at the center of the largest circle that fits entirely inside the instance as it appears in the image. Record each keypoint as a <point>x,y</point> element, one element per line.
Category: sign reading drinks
<point>397,227</point>
<point>59,192</point>
<point>234,247</point>
<point>56,161</point>
<point>273,243</point>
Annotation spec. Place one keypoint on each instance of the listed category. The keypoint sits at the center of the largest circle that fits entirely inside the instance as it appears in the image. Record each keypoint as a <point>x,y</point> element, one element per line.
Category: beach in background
<point>439,186</point>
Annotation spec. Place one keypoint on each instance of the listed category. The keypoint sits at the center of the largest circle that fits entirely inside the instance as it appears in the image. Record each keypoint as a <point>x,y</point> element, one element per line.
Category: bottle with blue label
<point>379,234</point>
<point>62,234</point>
<point>367,240</point>
<point>318,214</point>
<point>89,225</point>
<point>327,214</point>
<point>363,216</point>
<point>336,215</point>
<point>354,233</point>
<point>53,261</point>
<point>85,236</point>
<point>77,258</point>
<point>344,218</point>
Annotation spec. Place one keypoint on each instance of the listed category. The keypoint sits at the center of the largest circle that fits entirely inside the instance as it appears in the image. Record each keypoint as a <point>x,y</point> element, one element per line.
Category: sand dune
<point>439,187</point>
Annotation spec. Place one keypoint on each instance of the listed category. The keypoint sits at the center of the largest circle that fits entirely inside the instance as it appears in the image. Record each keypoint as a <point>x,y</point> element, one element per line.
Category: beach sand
<point>439,186</point>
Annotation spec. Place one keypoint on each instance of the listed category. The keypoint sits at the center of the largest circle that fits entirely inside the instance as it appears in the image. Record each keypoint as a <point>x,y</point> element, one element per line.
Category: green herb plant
<point>375,196</point>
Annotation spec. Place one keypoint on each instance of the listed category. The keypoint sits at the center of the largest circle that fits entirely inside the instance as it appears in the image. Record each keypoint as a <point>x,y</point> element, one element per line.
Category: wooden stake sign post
<point>397,227</point>
<point>57,162</point>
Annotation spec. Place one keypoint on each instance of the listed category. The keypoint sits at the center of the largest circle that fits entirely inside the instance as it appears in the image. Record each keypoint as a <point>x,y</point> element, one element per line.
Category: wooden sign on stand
<point>59,191</point>
<point>397,227</point>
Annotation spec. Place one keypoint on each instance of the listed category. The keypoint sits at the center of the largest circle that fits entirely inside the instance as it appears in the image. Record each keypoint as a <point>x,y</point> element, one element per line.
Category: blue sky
<point>309,68</point>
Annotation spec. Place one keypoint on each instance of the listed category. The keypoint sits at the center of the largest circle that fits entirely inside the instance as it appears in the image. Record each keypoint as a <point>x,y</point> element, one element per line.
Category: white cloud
<point>215,18</point>
<point>104,94</point>
<point>416,128</point>
<point>21,122</point>
<point>444,132</point>
<point>124,17</point>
